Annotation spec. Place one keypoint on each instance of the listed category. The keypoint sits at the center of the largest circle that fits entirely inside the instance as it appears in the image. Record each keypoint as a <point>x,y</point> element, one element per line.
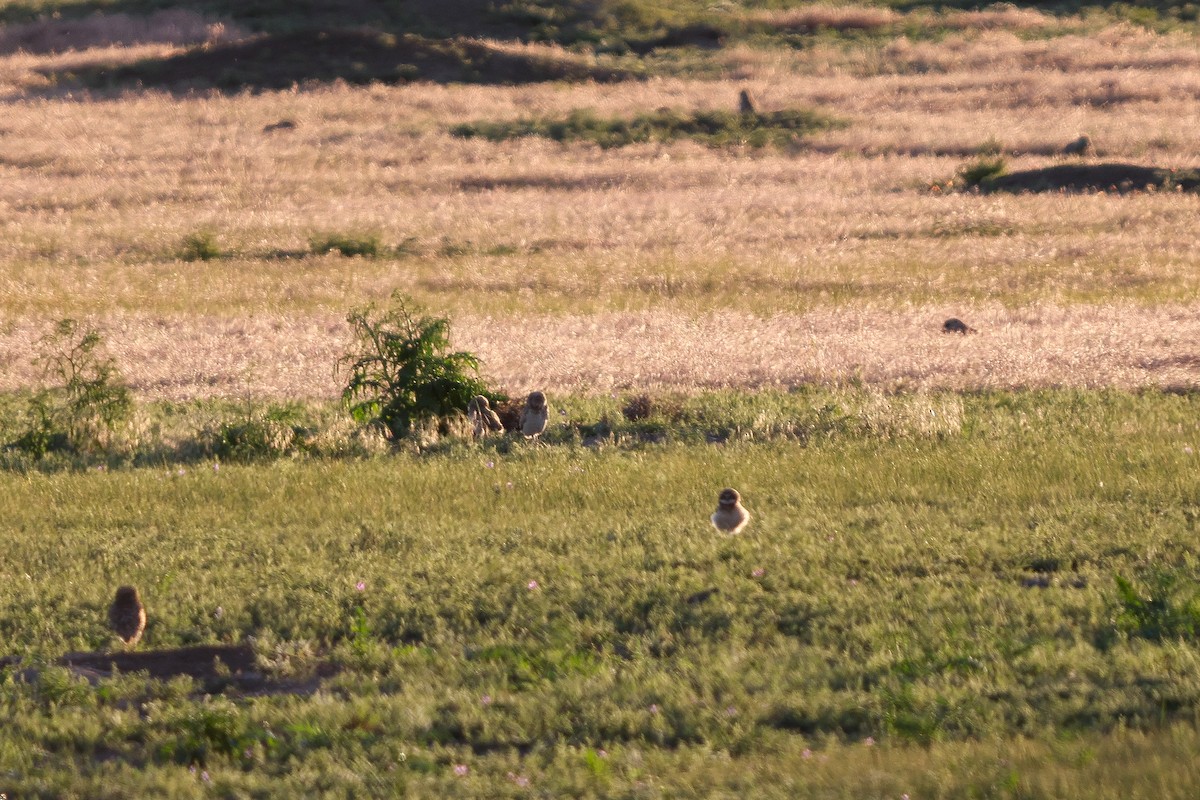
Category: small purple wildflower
<point>361,586</point>
<point>204,777</point>
<point>654,708</point>
<point>491,465</point>
<point>532,586</point>
<point>869,741</point>
<point>461,769</point>
<point>758,572</point>
<point>486,700</point>
<point>806,754</point>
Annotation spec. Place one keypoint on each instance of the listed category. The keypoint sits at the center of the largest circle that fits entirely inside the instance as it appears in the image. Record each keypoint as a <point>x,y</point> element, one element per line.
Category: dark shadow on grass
<point>1111,177</point>
<point>357,56</point>
<point>216,668</point>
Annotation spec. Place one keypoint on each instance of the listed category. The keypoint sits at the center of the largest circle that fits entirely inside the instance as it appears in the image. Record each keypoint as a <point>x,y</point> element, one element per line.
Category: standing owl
<point>746,103</point>
<point>482,417</point>
<point>534,416</point>
<point>730,516</point>
<point>127,615</point>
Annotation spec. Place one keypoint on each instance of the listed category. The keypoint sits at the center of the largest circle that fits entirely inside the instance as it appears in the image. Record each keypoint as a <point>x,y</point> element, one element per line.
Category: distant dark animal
<point>956,325</point>
<point>1080,147</point>
<point>746,103</point>
<point>282,125</point>
<point>127,615</point>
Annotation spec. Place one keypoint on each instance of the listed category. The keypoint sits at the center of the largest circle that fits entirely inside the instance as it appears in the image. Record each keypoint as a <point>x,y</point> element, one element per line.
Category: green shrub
<point>201,246</point>
<point>713,128</point>
<point>983,170</point>
<point>402,372</point>
<point>1166,607</point>
<point>86,405</point>
<point>367,245</point>
<point>271,432</point>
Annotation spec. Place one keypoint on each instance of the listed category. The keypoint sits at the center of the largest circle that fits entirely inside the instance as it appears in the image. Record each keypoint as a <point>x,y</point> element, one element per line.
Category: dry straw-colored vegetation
<point>833,259</point>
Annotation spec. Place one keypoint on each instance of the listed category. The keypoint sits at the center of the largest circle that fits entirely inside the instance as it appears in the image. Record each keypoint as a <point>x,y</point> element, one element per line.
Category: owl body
<point>731,516</point>
<point>1080,147</point>
<point>127,615</point>
<point>746,103</point>
<point>535,415</point>
<point>482,417</point>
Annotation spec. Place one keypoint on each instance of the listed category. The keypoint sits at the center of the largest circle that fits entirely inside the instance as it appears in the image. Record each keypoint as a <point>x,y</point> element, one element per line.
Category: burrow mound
<point>277,61</point>
<point>1113,177</point>
<point>215,668</point>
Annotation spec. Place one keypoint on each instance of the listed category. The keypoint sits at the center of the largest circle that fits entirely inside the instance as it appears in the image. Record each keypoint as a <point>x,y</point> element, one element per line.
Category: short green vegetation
<point>712,128</point>
<point>944,596</point>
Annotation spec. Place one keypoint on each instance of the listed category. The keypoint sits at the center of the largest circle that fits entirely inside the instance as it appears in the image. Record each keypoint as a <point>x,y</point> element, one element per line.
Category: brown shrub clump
<point>639,407</point>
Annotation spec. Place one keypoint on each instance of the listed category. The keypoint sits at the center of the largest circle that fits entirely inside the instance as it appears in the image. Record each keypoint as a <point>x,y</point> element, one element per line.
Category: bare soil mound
<point>215,667</point>
<point>1112,177</point>
<point>276,61</point>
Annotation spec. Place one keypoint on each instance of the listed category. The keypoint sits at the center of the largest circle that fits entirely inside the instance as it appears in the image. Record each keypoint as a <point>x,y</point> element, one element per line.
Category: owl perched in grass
<point>746,103</point>
<point>482,417</point>
<point>534,416</point>
<point>127,615</point>
<point>1079,147</point>
<point>730,516</point>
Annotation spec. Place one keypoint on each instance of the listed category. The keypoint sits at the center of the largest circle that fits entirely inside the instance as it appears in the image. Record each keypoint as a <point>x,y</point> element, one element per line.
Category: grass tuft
<point>713,128</point>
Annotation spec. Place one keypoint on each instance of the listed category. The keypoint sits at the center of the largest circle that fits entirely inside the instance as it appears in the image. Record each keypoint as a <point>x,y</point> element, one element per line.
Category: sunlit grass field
<point>972,567</point>
<point>930,609</point>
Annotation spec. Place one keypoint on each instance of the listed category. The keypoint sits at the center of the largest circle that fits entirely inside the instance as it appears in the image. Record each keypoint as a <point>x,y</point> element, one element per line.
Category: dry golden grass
<point>172,26</point>
<point>823,16</point>
<point>189,357</point>
<point>823,261</point>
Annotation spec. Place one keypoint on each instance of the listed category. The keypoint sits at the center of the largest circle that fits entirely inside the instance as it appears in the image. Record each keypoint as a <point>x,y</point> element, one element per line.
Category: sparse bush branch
<point>402,372</point>
<point>87,400</point>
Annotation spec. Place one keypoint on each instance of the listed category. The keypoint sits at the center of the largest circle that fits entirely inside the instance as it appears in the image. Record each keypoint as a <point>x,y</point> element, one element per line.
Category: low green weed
<point>713,128</point>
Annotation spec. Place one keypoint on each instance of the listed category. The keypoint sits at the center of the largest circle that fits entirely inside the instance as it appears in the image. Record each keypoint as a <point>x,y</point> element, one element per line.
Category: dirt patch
<point>1112,177</point>
<point>217,668</point>
<point>277,61</point>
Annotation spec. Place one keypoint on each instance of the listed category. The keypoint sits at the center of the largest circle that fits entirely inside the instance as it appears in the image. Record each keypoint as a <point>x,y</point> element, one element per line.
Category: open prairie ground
<point>972,565</point>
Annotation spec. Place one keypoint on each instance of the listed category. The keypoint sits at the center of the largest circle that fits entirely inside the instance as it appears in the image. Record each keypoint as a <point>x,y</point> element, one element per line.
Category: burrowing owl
<point>482,418</point>
<point>956,325</point>
<point>534,415</point>
<point>746,103</point>
<point>1080,147</point>
<point>730,516</point>
<point>127,615</point>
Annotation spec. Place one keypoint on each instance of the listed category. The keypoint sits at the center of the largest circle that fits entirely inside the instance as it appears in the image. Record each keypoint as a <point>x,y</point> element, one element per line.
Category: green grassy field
<point>972,570</point>
<point>931,611</point>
